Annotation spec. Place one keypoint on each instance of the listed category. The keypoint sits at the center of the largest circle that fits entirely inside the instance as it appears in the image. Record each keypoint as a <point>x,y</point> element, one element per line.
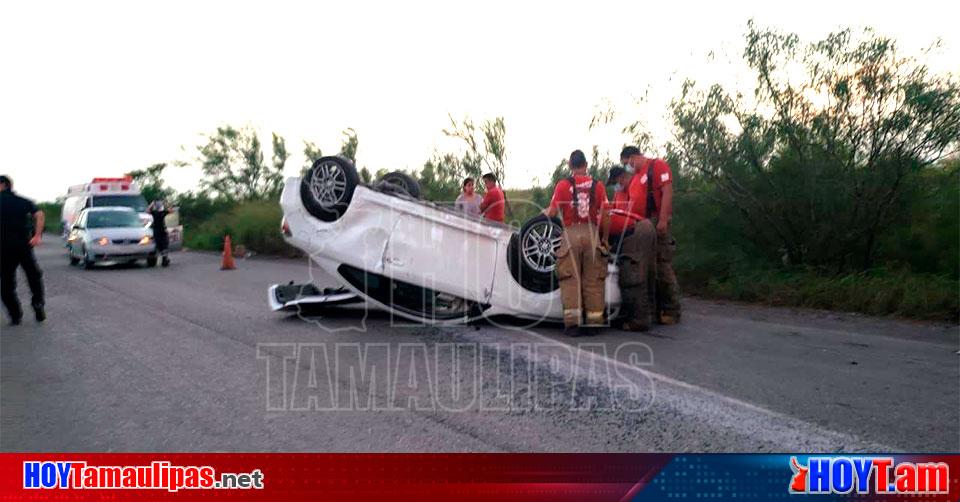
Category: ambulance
<point>115,192</point>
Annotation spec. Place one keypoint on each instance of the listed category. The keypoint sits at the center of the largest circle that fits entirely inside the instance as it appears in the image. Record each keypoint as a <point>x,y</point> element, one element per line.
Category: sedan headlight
<point>103,241</point>
<point>146,240</point>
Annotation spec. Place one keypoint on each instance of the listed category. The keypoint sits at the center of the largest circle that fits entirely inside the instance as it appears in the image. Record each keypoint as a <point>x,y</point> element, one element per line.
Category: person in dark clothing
<point>159,212</point>
<point>21,227</point>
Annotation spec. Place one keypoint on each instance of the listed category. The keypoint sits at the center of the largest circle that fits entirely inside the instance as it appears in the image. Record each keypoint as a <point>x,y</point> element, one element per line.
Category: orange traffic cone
<point>228,263</point>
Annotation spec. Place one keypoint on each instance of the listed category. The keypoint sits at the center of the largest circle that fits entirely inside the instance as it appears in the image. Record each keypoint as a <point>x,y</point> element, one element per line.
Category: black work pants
<point>11,259</point>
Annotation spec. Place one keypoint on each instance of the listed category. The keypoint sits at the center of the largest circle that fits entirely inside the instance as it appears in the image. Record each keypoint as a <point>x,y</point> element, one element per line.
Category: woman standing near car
<point>469,200</point>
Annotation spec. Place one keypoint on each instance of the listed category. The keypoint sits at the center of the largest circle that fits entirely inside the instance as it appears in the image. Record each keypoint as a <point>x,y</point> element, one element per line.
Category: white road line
<point>790,433</point>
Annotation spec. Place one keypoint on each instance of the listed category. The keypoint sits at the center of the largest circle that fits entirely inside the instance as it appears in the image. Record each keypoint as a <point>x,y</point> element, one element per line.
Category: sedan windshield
<point>135,202</point>
<point>113,219</point>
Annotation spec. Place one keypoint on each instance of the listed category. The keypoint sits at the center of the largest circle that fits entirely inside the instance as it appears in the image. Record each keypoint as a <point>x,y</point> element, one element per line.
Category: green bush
<point>523,205</point>
<point>254,225</point>
<point>875,292</point>
<point>51,212</point>
<point>197,208</point>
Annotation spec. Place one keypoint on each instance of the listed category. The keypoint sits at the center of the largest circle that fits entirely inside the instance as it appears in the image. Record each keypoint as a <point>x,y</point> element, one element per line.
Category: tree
<point>599,167</point>
<point>234,168</point>
<point>560,171</point>
<point>816,162</point>
<point>365,176</point>
<point>350,143</point>
<point>476,161</point>
<point>311,152</point>
<point>636,131</point>
<point>150,181</point>
<point>280,154</point>
<point>441,177</point>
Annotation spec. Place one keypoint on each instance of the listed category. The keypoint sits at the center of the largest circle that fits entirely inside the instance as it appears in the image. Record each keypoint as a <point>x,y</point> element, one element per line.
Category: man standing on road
<point>494,202</point>
<point>581,259</point>
<point>16,250</point>
<point>651,194</point>
<point>469,201</point>
<point>636,241</point>
<point>159,212</point>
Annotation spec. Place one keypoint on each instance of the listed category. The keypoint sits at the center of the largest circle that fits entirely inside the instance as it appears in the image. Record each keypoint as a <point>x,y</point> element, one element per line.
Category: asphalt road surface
<point>190,358</point>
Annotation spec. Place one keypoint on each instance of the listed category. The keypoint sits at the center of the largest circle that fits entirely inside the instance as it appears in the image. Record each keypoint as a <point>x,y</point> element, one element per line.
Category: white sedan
<point>109,235</point>
<point>414,258</point>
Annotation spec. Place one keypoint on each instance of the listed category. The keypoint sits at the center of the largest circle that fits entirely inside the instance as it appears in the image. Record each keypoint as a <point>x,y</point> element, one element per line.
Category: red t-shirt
<point>638,186</point>
<point>620,217</point>
<point>492,205</point>
<point>585,212</point>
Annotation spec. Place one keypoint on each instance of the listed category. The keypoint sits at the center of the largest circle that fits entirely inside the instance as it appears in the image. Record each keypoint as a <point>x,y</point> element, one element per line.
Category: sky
<point>101,88</point>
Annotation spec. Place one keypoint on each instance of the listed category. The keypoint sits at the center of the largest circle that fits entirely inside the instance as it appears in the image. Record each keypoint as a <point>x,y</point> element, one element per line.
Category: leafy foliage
<point>484,150</point>
<point>350,143</point>
<point>253,224</point>
<point>814,167</point>
<point>311,152</point>
<point>150,181</point>
<point>280,154</point>
<point>441,178</point>
<point>476,161</point>
<point>52,222</point>
<point>234,168</point>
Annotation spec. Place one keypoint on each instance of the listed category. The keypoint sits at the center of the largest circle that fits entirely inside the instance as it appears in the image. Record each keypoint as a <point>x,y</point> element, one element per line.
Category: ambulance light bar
<point>128,179</point>
<point>100,185</point>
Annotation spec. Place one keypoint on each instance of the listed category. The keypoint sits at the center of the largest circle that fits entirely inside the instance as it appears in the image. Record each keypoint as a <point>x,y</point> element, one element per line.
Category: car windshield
<point>135,202</point>
<point>112,219</point>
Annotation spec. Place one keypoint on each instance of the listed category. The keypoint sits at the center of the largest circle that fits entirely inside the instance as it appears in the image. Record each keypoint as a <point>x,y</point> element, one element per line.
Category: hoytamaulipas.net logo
<point>159,475</point>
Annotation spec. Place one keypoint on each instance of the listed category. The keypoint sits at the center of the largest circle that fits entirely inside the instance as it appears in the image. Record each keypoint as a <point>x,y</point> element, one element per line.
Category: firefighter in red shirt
<point>581,259</point>
<point>633,239</point>
<point>621,220</point>
<point>651,194</point>
<point>493,204</point>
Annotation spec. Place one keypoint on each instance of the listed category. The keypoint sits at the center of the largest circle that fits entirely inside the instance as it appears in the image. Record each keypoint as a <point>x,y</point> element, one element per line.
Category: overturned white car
<point>414,258</point>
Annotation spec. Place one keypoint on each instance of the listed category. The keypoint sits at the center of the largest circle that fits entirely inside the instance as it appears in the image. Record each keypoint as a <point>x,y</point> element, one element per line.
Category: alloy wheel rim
<point>540,245</point>
<point>328,185</point>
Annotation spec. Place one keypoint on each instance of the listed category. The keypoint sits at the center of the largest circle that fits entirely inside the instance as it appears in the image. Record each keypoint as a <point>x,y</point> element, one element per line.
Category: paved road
<point>190,358</point>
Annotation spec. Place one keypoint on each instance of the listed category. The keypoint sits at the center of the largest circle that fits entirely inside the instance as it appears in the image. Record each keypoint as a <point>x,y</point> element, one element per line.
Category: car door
<point>445,254</point>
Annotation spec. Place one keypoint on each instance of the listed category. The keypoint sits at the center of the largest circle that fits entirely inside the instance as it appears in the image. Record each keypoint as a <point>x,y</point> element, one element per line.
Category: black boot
<point>40,313</point>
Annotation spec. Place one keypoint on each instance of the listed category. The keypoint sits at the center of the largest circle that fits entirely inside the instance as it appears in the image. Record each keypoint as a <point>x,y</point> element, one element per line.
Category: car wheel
<point>327,187</point>
<point>407,185</point>
<point>532,254</point>
<point>88,263</point>
<point>73,259</point>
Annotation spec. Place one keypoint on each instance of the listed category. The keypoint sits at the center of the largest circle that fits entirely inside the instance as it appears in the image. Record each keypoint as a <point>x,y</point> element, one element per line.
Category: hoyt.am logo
<point>877,475</point>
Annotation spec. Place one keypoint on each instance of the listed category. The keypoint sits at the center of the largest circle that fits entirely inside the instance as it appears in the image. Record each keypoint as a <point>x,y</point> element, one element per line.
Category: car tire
<point>399,179</point>
<point>535,271</point>
<point>327,187</point>
<point>74,261</point>
<point>87,262</point>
